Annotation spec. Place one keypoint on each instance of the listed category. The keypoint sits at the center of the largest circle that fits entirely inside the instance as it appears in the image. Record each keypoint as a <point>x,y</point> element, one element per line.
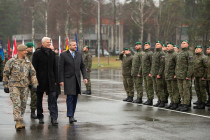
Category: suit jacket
<point>69,71</point>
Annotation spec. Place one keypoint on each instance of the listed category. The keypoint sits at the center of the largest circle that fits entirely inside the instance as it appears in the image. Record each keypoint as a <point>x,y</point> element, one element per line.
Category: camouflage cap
<point>22,47</point>
<point>164,45</point>
<point>138,43</point>
<point>170,43</point>
<point>146,43</point>
<point>159,42</point>
<point>29,44</point>
<point>198,46</point>
<point>126,49</point>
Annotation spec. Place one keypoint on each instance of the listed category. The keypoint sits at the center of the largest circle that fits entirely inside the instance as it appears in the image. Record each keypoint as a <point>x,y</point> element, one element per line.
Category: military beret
<point>185,41</point>
<point>164,45</point>
<point>22,47</point>
<point>87,47</point>
<point>29,44</point>
<point>176,46</point>
<point>125,49</point>
<point>170,43</point>
<point>138,43</point>
<point>207,47</point>
<point>198,46</point>
<point>159,42</point>
<point>147,43</point>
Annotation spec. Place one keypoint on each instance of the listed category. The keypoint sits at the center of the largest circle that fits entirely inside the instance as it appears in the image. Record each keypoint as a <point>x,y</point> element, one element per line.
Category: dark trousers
<point>52,105</point>
<point>71,102</point>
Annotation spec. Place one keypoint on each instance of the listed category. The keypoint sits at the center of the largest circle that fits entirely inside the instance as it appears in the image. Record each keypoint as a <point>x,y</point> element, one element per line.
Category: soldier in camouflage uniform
<point>208,76</point>
<point>136,72</point>
<point>88,63</point>
<point>184,71</point>
<point>199,72</point>
<point>170,65</point>
<point>1,68</point>
<point>19,73</point>
<point>33,94</point>
<point>146,67</point>
<point>157,74</point>
<point>126,58</point>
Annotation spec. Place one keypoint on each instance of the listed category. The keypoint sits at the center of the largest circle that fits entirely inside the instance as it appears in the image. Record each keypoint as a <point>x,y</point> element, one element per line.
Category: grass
<point>113,63</point>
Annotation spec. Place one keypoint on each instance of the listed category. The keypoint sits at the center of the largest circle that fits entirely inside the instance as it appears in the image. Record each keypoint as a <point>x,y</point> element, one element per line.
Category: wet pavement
<point>104,116</point>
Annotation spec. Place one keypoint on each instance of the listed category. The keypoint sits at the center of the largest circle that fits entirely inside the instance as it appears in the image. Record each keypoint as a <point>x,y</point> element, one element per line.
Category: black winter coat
<point>44,64</point>
<point>69,69</point>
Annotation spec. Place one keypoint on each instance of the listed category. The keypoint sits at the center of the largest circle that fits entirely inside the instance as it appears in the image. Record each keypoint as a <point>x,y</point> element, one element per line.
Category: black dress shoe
<point>126,99</point>
<point>54,122</point>
<point>138,101</point>
<point>33,115</point>
<point>72,120</point>
<point>41,121</point>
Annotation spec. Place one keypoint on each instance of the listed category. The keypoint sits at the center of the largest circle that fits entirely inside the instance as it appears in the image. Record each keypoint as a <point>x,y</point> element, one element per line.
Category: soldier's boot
<point>169,106</point>
<point>130,99</point>
<point>209,109</point>
<point>88,92</point>
<point>179,107</point>
<point>138,101</point>
<point>22,125</point>
<point>184,108</point>
<point>18,125</point>
<point>33,115</point>
<point>85,92</point>
<point>125,100</point>
<point>200,106</point>
<point>189,105</point>
<point>195,103</point>
<point>174,106</point>
<point>208,103</point>
<point>162,104</point>
<point>166,101</point>
<point>148,102</point>
<point>157,104</point>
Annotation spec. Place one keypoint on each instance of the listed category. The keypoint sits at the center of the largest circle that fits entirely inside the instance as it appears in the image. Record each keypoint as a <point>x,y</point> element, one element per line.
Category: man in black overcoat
<point>44,64</point>
<point>70,65</point>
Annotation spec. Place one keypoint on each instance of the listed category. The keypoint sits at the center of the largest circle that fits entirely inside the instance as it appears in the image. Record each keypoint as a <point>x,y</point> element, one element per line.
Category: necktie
<point>72,54</point>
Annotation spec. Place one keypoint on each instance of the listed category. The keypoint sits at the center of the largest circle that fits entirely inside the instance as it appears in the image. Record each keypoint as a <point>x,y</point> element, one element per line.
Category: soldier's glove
<point>6,90</point>
<point>34,89</point>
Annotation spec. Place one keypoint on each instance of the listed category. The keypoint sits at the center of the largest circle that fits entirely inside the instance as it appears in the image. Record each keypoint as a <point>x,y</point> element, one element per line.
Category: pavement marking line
<point>208,117</point>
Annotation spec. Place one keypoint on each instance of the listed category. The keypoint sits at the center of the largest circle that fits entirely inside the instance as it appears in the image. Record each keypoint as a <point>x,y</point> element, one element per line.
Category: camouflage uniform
<point>184,69</point>
<point>88,63</point>
<point>208,77</point>
<point>172,87</point>
<point>1,68</point>
<point>33,94</point>
<point>146,67</point>
<point>137,70</point>
<point>126,72</point>
<point>199,72</point>
<point>158,63</point>
<point>165,85</point>
<point>18,75</point>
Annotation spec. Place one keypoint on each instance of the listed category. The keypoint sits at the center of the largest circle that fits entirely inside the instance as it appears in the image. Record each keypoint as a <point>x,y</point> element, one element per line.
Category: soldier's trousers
<point>88,85</point>
<point>200,88</point>
<point>148,85</point>
<point>184,90</point>
<point>159,88</point>
<point>208,89</point>
<point>128,85</point>
<point>19,96</point>
<point>33,99</point>
<point>165,89</point>
<point>173,91</point>
<point>138,82</point>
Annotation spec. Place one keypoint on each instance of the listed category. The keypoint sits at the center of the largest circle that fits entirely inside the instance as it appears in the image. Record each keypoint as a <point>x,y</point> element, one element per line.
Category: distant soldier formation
<point>168,72</point>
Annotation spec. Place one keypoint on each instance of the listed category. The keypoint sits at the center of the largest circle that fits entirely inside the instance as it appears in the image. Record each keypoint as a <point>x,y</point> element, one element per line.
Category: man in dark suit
<point>70,65</point>
<point>44,64</point>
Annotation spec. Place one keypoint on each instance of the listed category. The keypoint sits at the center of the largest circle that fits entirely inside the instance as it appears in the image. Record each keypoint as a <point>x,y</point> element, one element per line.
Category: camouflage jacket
<point>146,62</point>
<point>170,65</point>
<point>126,64</point>
<point>136,63</point>
<point>200,65</point>
<point>87,60</point>
<point>184,65</point>
<point>19,73</point>
<point>208,69</point>
<point>158,63</point>
<point>30,56</point>
<point>1,66</point>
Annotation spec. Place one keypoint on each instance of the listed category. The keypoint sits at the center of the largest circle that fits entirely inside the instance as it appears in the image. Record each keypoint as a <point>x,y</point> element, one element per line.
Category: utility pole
<point>114,27</point>
<point>99,37</point>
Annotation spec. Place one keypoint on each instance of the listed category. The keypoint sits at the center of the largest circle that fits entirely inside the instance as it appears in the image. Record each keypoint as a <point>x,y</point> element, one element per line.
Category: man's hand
<point>158,76</point>
<point>6,90</point>
<point>62,84</point>
<point>85,81</point>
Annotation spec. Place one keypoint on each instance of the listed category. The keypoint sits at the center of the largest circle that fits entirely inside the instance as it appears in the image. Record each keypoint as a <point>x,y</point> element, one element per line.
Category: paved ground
<point>103,116</point>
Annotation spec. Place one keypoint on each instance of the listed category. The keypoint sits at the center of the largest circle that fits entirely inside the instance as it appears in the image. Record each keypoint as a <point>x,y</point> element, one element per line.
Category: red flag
<point>9,54</point>
<point>14,48</point>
